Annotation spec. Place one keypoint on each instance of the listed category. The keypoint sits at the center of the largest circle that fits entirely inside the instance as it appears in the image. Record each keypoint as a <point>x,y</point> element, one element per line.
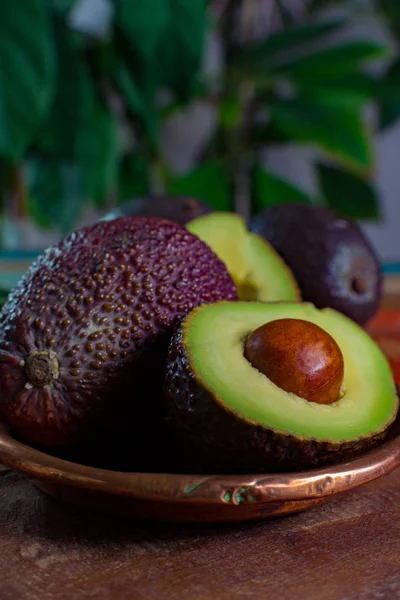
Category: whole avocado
<point>84,336</point>
<point>180,209</point>
<point>333,262</point>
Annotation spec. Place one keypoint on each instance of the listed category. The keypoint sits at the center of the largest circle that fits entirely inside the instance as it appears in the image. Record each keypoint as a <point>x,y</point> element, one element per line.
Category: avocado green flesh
<point>225,234</point>
<point>268,274</point>
<point>257,270</point>
<point>215,334</point>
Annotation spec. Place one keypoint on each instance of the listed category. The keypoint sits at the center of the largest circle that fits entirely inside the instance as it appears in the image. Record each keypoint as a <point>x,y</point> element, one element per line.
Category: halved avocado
<point>229,417</point>
<point>257,269</point>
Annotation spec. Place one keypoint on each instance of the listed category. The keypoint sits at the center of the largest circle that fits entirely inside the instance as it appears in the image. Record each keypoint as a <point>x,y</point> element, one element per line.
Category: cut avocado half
<point>229,417</point>
<point>257,270</point>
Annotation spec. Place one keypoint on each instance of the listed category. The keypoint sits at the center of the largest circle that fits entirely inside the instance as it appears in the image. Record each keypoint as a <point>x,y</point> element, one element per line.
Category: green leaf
<point>391,10</point>
<point>37,213</point>
<point>138,107</point>
<point>269,134</point>
<point>26,73</point>
<point>134,179</point>
<point>131,91</point>
<point>55,197</point>
<point>389,96</point>
<point>287,41</point>
<point>166,37</point>
<point>230,112</point>
<point>349,195</point>
<point>143,22</point>
<point>207,182</point>
<point>62,6</point>
<point>389,113</point>
<point>6,181</point>
<point>269,189</point>
<point>351,90</point>
<point>80,129</point>
<point>58,135</point>
<point>339,59</point>
<point>98,149</point>
<point>181,46</point>
<point>337,130</point>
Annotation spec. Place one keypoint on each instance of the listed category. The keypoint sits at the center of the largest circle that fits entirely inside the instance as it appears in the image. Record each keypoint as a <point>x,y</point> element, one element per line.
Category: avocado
<point>332,260</point>
<point>84,335</point>
<point>257,270</point>
<point>229,417</point>
<point>180,209</point>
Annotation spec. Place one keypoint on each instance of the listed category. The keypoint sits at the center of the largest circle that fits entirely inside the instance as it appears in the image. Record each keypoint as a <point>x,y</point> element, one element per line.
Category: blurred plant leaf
<point>59,133</point>
<point>389,96</point>
<point>230,111</point>
<point>207,182</point>
<point>37,212</point>
<point>27,73</point>
<point>134,178</point>
<point>6,181</point>
<point>337,130</point>
<point>181,46</point>
<point>98,149</point>
<point>269,134</point>
<point>55,193</point>
<point>62,6</point>
<point>351,90</point>
<point>80,129</point>
<point>349,195</point>
<point>343,58</point>
<point>391,10</point>
<point>166,37</point>
<point>138,107</point>
<point>286,41</point>
<point>269,189</point>
<point>143,23</point>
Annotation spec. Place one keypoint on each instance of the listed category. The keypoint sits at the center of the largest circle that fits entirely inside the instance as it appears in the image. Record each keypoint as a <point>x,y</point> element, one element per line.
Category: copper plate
<point>173,497</point>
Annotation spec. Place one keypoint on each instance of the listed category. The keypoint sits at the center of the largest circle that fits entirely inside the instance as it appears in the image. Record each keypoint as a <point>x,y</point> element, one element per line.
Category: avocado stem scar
<point>41,368</point>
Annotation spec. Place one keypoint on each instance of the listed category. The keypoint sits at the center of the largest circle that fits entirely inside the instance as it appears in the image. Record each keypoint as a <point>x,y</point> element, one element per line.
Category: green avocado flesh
<point>257,270</point>
<point>214,336</point>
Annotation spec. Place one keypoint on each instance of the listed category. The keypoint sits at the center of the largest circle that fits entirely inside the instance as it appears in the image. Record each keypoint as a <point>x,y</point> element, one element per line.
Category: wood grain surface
<point>348,550</point>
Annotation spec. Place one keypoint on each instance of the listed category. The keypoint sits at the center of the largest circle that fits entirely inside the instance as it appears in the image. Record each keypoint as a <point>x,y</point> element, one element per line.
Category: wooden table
<point>348,549</point>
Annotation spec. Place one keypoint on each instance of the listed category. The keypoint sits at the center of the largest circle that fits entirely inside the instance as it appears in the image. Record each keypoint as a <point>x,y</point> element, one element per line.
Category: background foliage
<point>81,110</point>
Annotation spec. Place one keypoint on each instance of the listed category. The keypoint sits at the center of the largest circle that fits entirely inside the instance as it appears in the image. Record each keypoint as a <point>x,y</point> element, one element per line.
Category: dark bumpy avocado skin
<point>215,440</point>
<point>334,264</point>
<point>100,307</point>
<point>180,209</point>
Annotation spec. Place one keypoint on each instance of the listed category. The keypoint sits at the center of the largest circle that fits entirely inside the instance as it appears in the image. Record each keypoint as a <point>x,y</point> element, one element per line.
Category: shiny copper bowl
<point>173,497</point>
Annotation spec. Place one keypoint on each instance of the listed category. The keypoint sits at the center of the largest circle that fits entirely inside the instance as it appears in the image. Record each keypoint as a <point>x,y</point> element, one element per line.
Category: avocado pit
<point>41,368</point>
<point>299,357</point>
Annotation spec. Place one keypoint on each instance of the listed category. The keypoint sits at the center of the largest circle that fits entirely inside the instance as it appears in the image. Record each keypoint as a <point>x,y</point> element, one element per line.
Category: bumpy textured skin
<point>104,301</point>
<point>180,209</point>
<point>325,253</point>
<point>213,439</point>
